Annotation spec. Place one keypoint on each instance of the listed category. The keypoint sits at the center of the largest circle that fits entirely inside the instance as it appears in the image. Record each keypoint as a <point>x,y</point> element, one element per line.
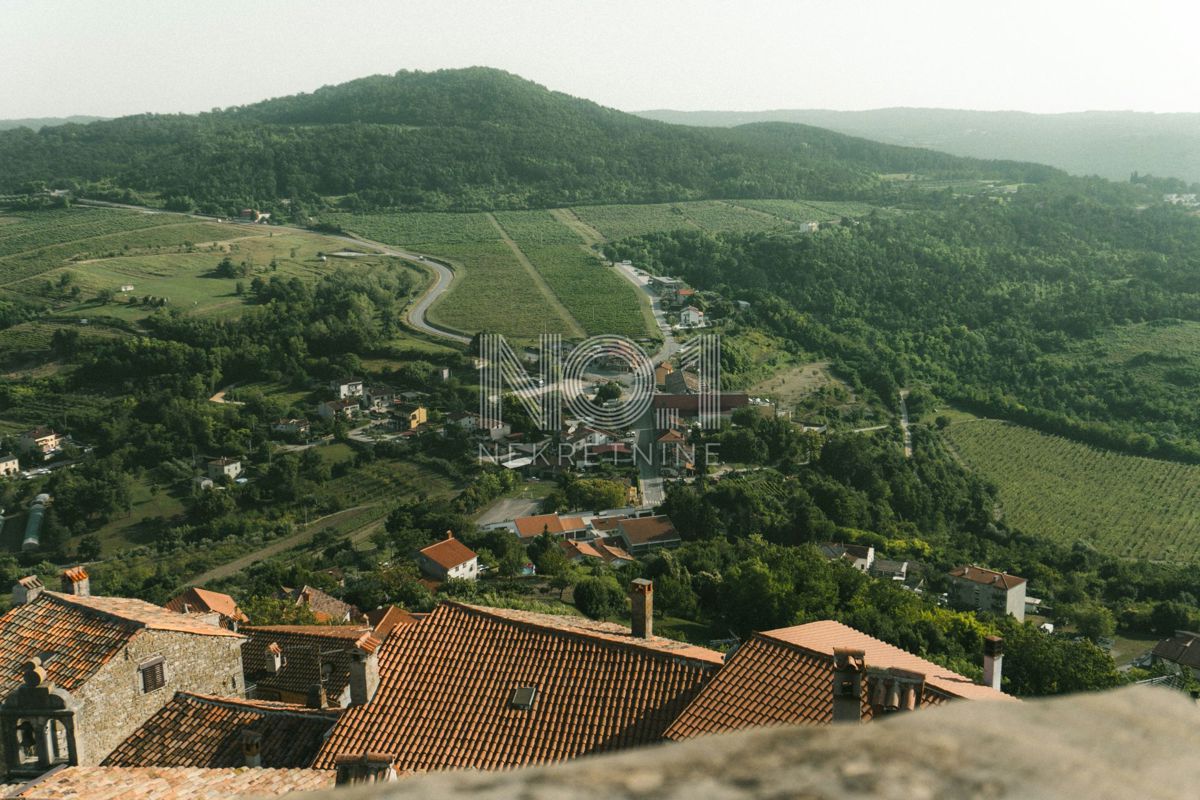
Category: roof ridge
<point>596,636</point>
<point>272,706</point>
<point>347,631</point>
<point>70,601</point>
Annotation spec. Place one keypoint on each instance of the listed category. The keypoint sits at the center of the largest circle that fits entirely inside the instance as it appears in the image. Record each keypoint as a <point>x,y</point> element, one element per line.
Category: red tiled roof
<point>197,599</point>
<point>611,552</point>
<point>785,676</point>
<point>176,783</point>
<point>325,607</point>
<point>75,574</point>
<point>307,649</point>
<point>690,403</point>
<point>196,730</point>
<point>536,525</point>
<point>448,553</point>
<point>987,577</point>
<point>648,530</point>
<point>81,634</point>
<point>382,620</point>
<point>447,685</point>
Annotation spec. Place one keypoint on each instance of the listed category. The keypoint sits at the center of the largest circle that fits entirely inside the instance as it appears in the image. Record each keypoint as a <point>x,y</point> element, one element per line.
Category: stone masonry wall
<point>113,704</point>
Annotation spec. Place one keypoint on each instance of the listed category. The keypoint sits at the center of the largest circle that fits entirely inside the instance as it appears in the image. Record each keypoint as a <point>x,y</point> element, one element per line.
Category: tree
<point>599,598</point>
<point>89,548</point>
<point>609,391</point>
<point>263,610</point>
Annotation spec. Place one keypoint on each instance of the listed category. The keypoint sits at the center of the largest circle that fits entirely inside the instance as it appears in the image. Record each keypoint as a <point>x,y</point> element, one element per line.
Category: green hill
<point>1111,144</point>
<point>459,139</point>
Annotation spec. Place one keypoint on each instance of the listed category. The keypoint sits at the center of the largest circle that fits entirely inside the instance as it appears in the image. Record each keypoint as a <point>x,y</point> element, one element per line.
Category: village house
<point>579,552</point>
<point>41,441</point>
<point>793,676</point>
<point>224,468</point>
<point>890,570</point>
<point>292,427</point>
<point>476,699</point>
<point>332,409</point>
<point>473,423</point>
<point>202,601</point>
<point>987,590</point>
<point>681,410</point>
<point>661,372</point>
<point>572,527</point>
<point>325,607</point>
<point>378,398</point>
<point>640,535</point>
<point>410,416</point>
<point>447,559</point>
<point>682,381</point>
<point>859,556</point>
<point>79,673</point>
<point>291,663</point>
<point>9,466</point>
<point>1181,653</point>
<point>691,317</point>
<point>208,732</point>
<point>352,387</point>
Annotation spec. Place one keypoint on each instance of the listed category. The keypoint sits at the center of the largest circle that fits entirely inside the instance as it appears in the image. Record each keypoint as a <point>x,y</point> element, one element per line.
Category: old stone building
<point>78,673</point>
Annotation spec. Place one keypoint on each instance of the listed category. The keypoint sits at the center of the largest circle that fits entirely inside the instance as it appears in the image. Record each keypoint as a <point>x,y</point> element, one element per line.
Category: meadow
<point>1050,486</point>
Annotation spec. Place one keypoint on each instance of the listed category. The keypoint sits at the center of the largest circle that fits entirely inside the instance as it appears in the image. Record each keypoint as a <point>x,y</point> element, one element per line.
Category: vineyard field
<point>1123,505</point>
<point>417,227</point>
<point>598,298</point>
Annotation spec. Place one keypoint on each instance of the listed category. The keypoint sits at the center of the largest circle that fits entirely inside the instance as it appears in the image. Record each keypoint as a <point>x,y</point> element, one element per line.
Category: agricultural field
<point>1050,486</point>
<point>417,228</point>
<point>86,255</point>
<point>620,222</point>
<point>600,299</point>
<point>808,210</point>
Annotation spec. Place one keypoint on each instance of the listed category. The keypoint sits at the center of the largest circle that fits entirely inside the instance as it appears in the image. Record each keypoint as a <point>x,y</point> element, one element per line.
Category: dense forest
<point>453,139</point>
<point>985,302</point>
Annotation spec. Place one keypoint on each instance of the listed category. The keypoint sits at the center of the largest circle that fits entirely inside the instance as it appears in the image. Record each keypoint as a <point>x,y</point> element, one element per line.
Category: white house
<point>331,409</point>
<point>9,466</point>
<point>449,558</point>
<point>691,317</point>
<point>221,468</point>
<point>348,388</point>
<point>988,590</point>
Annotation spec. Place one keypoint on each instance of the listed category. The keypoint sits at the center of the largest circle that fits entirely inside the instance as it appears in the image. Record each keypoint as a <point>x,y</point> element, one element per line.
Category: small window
<point>153,675</point>
<point>523,697</point>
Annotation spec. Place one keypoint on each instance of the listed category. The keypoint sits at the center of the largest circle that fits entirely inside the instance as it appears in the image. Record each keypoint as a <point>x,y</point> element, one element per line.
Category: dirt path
<point>567,217</point>
<point>575,329</point>
<point>302,536</point>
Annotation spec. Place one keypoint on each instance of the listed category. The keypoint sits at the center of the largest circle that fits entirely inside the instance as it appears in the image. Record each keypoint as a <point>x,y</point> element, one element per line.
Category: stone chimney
<point>274,657</point>
<point>364,670</point>
<point>641,595</point>
<point>364,768</point>
<point>75,581</point>
<point>251,748</point>
<point>849,666</point>
<point>316,697</point>
<point>993,659</point>
<point>26,590</point>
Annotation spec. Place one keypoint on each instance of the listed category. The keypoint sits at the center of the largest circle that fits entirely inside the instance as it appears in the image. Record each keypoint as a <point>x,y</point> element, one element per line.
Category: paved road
<point>670,346</point>
<point>908,450</point>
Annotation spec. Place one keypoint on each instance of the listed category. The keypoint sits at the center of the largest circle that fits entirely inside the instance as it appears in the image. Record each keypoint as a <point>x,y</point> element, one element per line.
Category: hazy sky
<point>113,57</point>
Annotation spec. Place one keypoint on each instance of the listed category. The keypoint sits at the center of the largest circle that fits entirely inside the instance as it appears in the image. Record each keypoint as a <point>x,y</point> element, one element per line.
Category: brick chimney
<point>316,697</point>
<point>364,768</point>
<point>251,748</point>
<point>993,660</point>
<point>849,666</point>
<point>274,657</point>
<point>75,581</point>
<point>26,590</point>
<point>364,670</point>
<point>641,596</point>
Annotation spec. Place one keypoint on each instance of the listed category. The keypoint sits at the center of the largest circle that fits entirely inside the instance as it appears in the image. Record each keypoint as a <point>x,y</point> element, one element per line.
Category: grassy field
<point>1050,486</point>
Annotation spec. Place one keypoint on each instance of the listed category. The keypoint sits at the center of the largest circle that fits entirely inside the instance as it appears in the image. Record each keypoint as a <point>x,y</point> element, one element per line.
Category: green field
<point>1049,486</point>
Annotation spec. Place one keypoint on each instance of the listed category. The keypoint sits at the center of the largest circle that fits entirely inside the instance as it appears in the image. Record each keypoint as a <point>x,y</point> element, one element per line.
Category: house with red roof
<point>987,590</point>
<point>447,559</point>
<point>202,601</point>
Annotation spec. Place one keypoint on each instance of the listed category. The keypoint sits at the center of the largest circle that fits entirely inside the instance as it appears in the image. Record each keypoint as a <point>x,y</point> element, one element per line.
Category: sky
<point>116,57</point>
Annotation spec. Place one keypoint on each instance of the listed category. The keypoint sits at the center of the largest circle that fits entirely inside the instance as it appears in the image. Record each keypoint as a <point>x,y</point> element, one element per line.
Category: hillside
<point>37,123</point>
<point>1111,144</point>
<point>457,139</point>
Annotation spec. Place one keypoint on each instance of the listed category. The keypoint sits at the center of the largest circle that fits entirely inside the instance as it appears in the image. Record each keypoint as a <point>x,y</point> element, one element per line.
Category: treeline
<point>454,140</point>
<point>991,303</point>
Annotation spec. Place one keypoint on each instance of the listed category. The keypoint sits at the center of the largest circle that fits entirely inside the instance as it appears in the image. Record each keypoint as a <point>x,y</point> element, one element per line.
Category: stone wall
<point>1132,743</point>
<point>113,704</point>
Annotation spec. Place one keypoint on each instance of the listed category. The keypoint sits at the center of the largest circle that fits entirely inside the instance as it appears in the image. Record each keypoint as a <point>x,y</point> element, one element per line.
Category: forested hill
<point>1111,144</point>
<point>471,138</point>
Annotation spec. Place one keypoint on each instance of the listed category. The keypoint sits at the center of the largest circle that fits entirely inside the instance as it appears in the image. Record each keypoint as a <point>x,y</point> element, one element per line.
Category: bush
<point>599,598</point>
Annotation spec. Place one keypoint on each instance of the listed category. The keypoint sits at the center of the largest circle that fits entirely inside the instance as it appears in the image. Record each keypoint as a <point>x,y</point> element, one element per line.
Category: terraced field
<point>1123,505</point>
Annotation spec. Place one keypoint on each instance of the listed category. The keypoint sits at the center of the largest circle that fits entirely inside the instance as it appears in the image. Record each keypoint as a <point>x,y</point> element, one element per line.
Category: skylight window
<point>523,697</point>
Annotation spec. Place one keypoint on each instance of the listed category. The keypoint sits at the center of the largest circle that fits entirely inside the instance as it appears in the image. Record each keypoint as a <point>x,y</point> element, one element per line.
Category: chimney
<point>364,768</point>
<point>26,590</point>
<point>895,690</point>
<point>251,748</point>
<point>274,656</point>
<point>641,595</point>
<point>75,581</point>
<point>316,697</point>
<point>849,665</point>
<point>364,670</point>
<point>993,660</point>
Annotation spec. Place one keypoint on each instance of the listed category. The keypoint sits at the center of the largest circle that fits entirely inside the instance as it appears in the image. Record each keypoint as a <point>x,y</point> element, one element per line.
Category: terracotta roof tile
<point>648,530</point>
<point>784,677</point>
<point>78,635</point>
<point>175,783</point>
<point>448,553</point>
<point>987,577</point>
<point>196,730</point>
<point>382,620</point>
<point>528,527</point>
<point>325,607</point>
<point>197,599</point>
<point>310,652</point>
<point>447,687</point>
